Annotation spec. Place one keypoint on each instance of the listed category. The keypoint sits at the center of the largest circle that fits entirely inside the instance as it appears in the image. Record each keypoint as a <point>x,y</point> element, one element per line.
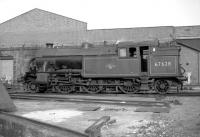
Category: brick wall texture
<point>189,61</point>
<point>92,36</point>
<point>187,32</point>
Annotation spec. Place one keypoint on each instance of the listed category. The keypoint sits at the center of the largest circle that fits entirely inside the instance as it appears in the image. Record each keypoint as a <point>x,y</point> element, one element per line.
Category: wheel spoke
<point>161,86</point>
<point>32,87</point>
<point>65,88</point>
<point>129,88</point>
<point>92,89</point>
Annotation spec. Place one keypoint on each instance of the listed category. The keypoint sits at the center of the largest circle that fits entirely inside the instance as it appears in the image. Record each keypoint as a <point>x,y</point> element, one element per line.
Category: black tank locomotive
<point>126,67</point>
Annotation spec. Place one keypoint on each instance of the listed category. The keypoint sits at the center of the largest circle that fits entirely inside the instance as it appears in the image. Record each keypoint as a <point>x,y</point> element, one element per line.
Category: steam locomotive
<point>126,67</point>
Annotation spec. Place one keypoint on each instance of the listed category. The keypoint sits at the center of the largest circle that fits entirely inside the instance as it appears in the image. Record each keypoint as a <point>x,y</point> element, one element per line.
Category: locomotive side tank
<point>113,67</point>
<point>164,61</point>
<point>126,67</point>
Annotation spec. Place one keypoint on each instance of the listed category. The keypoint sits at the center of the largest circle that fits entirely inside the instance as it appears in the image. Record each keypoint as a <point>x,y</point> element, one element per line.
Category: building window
<point>122,52</point>
<point>132,52</point>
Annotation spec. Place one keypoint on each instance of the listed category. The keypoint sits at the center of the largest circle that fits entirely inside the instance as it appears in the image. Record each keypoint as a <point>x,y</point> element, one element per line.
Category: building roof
<point>44,11</point>
<point>41,20</point>
<point>193,43</point>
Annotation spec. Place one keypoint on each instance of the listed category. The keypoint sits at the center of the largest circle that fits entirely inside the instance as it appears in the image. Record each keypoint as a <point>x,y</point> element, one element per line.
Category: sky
<point>103,14</point>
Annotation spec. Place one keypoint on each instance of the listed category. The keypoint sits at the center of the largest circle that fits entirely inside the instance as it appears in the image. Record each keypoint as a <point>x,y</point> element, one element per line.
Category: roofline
<point>132,28</point>
<point>188,26</point>
<point>187,46</point>
<point>141,43</point>
<point>41,10</point>
<point>61,15</point>
<point>186,37</point>
<point>174,27</point>
<point>14,17</point>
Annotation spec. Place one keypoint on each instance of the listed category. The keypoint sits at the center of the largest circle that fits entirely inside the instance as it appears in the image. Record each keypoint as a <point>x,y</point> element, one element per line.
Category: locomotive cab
<point>139,51</point>
<point>159,66</point>
<point>154,58</point>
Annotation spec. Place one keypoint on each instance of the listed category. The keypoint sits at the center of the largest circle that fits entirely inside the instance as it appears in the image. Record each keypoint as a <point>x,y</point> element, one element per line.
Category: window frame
<point>127,53</point>
<point>134,55</point>
<point>119,52</point>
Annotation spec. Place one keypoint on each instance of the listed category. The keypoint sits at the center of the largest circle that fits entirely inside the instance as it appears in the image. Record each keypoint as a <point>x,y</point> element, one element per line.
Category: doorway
<point>6,70</point>
<point>144,52</point>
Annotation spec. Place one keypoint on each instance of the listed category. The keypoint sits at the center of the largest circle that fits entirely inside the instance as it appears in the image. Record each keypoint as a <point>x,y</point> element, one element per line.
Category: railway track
<point>181,94</point>
<point>141,94</point>
<point>123,102</point>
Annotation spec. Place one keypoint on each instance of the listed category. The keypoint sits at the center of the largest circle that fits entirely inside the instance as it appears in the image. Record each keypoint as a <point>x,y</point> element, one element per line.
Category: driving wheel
<point>161,86</point>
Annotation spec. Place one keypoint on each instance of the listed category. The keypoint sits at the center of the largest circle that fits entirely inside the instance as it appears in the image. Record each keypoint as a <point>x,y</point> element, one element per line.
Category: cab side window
<point>122,52</point>
<point>132,52</point>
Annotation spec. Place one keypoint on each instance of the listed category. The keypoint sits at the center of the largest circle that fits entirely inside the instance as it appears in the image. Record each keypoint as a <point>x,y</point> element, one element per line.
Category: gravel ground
<point>183,119</point>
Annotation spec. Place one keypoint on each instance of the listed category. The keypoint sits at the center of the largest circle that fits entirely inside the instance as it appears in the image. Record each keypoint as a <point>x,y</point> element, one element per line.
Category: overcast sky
<point>101,14</point>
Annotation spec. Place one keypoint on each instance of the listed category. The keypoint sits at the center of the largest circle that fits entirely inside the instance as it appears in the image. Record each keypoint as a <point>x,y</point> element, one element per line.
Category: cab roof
<point>138,44</point>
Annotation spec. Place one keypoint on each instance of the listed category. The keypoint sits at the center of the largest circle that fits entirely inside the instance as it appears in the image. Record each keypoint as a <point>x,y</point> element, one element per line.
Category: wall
<point>130,34</point>
<point>187,32</point>
<point>162,34</point>
<point>40,27</point>
<point>189,61</point>
<point>21,58</point>
<point>198,67</point>
<point>32,39</point>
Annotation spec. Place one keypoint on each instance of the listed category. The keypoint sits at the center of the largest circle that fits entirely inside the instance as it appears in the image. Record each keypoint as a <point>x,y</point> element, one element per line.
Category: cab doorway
<point>144,52</point>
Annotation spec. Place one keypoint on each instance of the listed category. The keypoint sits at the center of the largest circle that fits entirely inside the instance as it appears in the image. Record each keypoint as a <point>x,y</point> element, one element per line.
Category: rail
<point>88,101</point>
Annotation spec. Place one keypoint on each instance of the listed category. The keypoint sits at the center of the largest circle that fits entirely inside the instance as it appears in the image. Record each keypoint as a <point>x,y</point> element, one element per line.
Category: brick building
<point>188,37</point>
<point>23,35</point>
